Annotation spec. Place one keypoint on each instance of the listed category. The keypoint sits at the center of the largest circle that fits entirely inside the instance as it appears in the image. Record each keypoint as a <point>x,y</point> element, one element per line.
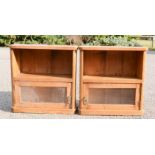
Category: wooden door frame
<point>40,84</point>
<point>18,104</point>
<point>124,106</point>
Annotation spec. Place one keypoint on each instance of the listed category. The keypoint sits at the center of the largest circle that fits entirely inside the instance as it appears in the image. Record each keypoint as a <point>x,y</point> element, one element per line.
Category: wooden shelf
<point>44,47</point>
<point>54,78</point>
<point>99,79</point>
<point>112,48</point>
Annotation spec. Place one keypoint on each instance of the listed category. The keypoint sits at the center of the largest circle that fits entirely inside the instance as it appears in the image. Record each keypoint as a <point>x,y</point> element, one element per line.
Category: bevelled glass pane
<point>111,95</point>
<point>44,94</point>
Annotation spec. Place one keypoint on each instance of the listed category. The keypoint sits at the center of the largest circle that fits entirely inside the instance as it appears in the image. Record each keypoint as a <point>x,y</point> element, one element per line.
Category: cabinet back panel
<point>61,63</point>
<point>130,64</point>
<point>94,63</point>
<point>114,64</point>
<point>35,62</point>
<point>46,62</point>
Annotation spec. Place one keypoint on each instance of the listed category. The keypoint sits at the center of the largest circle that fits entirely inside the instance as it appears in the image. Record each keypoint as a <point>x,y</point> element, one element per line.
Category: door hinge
<point>69,98</point>
<point>85,100</point>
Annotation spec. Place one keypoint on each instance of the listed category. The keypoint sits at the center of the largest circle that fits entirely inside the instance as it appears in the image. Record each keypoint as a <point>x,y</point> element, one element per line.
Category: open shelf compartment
<point>113,64</point>
<point>45,64</point>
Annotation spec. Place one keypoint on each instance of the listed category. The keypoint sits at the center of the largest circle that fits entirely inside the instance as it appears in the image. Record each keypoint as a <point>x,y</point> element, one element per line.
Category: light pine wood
<point>112,64</point>
<point>38,71</point>
<point>35,61</point>
<point>112,48</point>
<point>141,106</point>
<point>52,78</point>
<point>73,99</point>
<point>44,47</point>
<point>12,75</point>
<point>111,85</point>
<point>42,109</point>
<point>15,63</point>
<point>112,70</point>
<point>111,112</point>
<point>101,79</point>
<point>109,107</point>
<point>51,62</point>
<point>81,80</point>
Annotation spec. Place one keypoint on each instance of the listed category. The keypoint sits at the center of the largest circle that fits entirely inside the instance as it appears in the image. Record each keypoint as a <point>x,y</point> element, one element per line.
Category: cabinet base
<point>42,110</point>
<point>111,112</point>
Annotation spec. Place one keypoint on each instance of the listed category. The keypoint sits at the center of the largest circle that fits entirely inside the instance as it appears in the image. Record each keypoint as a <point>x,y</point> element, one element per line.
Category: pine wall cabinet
<point>111,80</point>
<point>43,78</point>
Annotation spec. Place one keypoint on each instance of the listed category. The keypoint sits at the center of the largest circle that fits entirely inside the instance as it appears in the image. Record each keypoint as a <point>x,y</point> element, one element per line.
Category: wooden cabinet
<point>43,78</point>
<point>112,80</point>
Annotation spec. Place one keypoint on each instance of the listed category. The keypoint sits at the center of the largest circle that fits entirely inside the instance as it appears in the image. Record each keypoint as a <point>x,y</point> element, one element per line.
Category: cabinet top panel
<point>112,48</point>
<point>46,47</point>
